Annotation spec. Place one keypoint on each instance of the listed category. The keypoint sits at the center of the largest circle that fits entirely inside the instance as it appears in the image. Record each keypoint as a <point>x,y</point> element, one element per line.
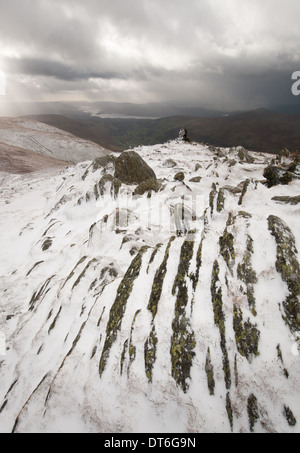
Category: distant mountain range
<point>259,130</point>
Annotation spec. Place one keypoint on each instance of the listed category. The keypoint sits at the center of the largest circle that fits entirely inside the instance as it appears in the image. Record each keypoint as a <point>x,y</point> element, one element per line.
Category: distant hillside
<point>259,130</point>
<point>20,161</point>
<point>94,130</point>
<point>40,138</point>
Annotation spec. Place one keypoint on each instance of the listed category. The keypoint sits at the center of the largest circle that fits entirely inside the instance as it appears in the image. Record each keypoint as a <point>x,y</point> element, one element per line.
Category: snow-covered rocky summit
<point>171,307</point>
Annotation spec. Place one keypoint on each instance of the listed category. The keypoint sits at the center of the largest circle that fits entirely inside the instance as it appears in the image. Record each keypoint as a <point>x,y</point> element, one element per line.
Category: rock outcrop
<point>130,168</point>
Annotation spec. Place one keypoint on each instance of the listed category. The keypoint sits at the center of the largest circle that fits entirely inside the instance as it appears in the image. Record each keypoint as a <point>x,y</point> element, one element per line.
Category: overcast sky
<point>230,54</point>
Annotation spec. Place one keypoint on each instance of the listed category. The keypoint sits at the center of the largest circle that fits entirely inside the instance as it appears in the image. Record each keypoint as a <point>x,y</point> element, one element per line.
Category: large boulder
<point>130,168</point>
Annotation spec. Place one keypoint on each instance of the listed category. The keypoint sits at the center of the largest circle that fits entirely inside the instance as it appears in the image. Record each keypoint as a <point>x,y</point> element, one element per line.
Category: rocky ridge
<point>169,309</point>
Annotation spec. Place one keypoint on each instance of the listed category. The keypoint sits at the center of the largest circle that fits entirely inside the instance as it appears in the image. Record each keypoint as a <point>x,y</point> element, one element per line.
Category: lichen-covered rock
<point>253,412</point>
<point>290,418</point>
<point>288,266</point>
<point>148,186</point>
<point>232,162</point>
<point>158,281</point>
<point>294,167</point>
<point>196,179</point>
<point>221,200</point>
<point>150,353</point>
<point>183,340</point>
<point>229,410</point>
<point>244,155</point>
<point>103,161</point>
<point>130,168</point>
<point>170,163</point>
<point>233,190</point>
<point>287,200</point>
<point>212,197</point>
<point>132,348</point>
<point>246,273</point>
<point>209,369</point>
<point>180,176</point>
<point>105,182</point>
<point>227,248</point>
<point>277,175</point>
<point>219,318</point>
<point>244,191</point>
<point>119,307</point>
<point>246,334</point>
<point>98,163</point>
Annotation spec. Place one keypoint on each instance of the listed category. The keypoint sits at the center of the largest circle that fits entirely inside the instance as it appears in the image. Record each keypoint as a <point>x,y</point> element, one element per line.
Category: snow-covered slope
<point>120,315</point>
<point>34,136</point>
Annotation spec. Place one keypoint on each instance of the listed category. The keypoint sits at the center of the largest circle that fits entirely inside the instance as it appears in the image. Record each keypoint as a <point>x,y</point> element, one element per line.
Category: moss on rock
<point>229,410</point>
<point>148,186</point>
<point>277,176</point>
<point>287,200</point>
<point>288,266</point>
<point>226,243</point>
<point>209,369</point>
<point>195,277</point>
<point>246,274</point>
<point>132,348</point>
<point>244,191</point>
<point>219,318</point>
<point>158,281</point>
<point>150,353</point>
<point>290,418</point>
<point>221,200</point>
<point>180,176</point>
<point>123,355</point>
<point>119,306</point>
<point>196,179</point>
<point>246,335</point>
<point>130,168</point>
<point>170,163</point>
<point>253,413</point>
<point>212,197</point>
<point>183,340</point>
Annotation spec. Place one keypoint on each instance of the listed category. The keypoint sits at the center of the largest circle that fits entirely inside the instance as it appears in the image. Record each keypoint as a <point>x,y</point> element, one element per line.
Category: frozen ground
<point>69,365</point>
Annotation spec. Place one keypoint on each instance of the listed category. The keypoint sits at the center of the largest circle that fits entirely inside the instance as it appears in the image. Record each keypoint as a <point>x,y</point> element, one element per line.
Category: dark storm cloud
<point>55,69</point>
<point>228,53</point>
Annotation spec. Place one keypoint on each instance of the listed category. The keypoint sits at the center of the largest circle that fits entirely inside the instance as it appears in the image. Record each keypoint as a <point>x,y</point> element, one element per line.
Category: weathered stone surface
<point>233,190</point>
<point>196,179</point>
<point>115,184</point>
<point>277,175</point>
<point>288,266</point>
<point>148,186</point>
<point>170,163</point>
<point>244,155</point>
<point>119,307</point>
<point>130,168</point>
<point>287,200</point>
<point>179,176</point>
